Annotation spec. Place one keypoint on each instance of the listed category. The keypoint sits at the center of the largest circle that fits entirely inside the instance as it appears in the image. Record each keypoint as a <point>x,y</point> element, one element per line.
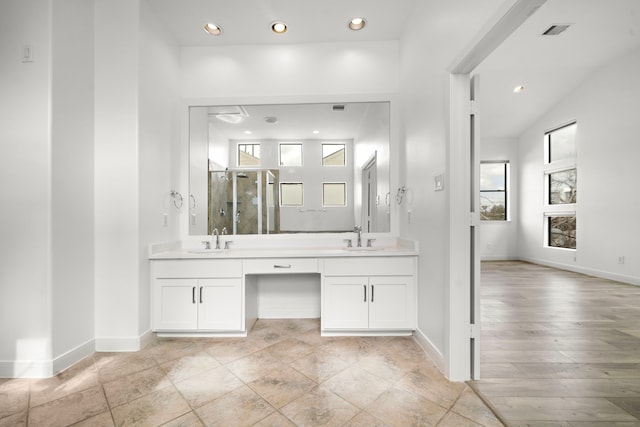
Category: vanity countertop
<point>184,250</point>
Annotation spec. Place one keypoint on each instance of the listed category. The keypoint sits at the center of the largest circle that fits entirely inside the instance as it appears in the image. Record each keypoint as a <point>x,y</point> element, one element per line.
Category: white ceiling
<point>548,67</point>
<point>308,21</point>
<point>294,121</point>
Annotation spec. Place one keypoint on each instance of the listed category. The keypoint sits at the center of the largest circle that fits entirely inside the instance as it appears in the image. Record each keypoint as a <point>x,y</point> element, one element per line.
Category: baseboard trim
<point>73,356</point>
<point>122,344</point>
<point>432,351</point>
<point>630,280</point>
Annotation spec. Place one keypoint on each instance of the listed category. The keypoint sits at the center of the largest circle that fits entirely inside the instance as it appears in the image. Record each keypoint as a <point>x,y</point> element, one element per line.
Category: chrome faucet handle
<point>227,243</point>
<point>207,244</point>
<point>224,230</point>
<point>357,228</point>
<point>369,242</point>
<point>348,242</point>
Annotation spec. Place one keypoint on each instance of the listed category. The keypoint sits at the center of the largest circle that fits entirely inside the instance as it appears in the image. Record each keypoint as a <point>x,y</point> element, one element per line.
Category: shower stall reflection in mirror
<point>244,201</point>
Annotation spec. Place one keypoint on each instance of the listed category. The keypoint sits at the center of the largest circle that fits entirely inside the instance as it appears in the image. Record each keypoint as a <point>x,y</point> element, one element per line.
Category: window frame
<point>551,210</point>
<point>301,154</point>
<point>346,199</point>
<point>506,191</point>
<point>244,143</point>
<point>301,184</point>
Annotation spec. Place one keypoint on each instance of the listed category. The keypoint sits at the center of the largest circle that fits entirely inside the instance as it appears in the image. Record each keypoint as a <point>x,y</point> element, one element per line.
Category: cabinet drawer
<point>190,268</point>
<point>369,266</point>
<point>281,266</point>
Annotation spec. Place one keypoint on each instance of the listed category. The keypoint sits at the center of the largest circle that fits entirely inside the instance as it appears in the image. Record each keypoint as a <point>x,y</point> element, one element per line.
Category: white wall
<point>285,70</point>
<point>429,47</point>
<point>25,219</point>
<point>116,173</point>
<point>72,181</point>
<point>159,124</point>
<point>499,239</point>
<point>605,107</point>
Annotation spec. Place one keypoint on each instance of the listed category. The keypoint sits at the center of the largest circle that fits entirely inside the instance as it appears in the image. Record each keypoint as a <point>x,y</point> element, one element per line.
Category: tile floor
<point>559,348</point>
<point>282,374</point>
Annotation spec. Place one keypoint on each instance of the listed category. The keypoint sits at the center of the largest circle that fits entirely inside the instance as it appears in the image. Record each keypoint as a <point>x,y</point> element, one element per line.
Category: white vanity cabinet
<point>369,294</point>
<point>197,295</point>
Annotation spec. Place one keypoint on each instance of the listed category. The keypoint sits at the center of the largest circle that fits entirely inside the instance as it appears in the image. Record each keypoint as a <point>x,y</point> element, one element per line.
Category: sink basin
<point>364,249</point>
<point>207,251</point>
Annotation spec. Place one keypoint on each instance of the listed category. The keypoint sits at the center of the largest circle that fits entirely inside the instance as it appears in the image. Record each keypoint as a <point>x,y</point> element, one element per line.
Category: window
<point>562,231</point>
<point>561,144</point>
<point>494,178</point>
<point>291,194</point>
<point>290,154</point>
<point>333,155</point>
<point>248,154</point>
<point>561,187</point>
<point>334,194</point>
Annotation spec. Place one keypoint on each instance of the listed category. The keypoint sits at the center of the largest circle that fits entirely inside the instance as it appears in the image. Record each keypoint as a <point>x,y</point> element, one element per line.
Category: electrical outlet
<point>165,220</point>
<point>621,259</point>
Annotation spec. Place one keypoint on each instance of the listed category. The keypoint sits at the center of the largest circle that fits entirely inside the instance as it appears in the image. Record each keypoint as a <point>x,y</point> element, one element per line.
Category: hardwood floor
<point>559,348</point>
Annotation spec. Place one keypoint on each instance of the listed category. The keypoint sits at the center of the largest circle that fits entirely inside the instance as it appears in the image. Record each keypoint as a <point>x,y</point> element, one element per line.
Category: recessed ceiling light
<point>247,132</point>
<point>279,27</point>
<point>271,120</point>
<point>357,24</point>
<point>316,132</point>
<point>518,89</point>
<point>213,29</point>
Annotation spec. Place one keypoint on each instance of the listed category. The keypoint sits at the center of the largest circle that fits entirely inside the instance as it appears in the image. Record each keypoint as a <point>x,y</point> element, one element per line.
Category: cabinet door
<point>391,305</point>
<point>345,303</point>
<point>174,304</point>
<point>220,304</point>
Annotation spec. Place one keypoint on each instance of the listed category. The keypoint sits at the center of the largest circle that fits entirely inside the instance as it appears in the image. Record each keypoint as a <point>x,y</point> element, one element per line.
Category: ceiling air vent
<point>555,29</point>
<point>337,107</point>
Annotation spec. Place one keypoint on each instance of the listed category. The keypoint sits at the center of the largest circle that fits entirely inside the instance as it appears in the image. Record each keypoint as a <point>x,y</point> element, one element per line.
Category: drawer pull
<point>193,295</point>
<point>282,266</point>
<point>371,293</point>
<point>365,292</point>
<point>201,294</point>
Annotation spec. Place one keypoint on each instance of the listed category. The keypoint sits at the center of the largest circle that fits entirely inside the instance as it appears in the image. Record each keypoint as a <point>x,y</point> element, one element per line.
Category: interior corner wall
<point>159,123</point>
<point>117,188</point>
<point>499,239</point>
<point>25,288</point>
<point>72,182</point>
<point>605,107</point>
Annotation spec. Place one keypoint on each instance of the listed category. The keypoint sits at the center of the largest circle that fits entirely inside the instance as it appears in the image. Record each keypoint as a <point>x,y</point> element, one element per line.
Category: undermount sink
<point>207,251</point>
<point>364,249</point>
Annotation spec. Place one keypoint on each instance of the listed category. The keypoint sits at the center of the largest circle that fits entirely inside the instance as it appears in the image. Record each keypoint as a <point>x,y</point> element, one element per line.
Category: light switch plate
<point>438,182</point>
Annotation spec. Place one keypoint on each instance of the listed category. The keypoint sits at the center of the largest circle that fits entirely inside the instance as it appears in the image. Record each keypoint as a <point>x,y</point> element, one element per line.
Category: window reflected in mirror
<point>248,154</point>
<point>290,154</point>
<point>291,194</point>
<point>334,194</point>
<point>333,155</point>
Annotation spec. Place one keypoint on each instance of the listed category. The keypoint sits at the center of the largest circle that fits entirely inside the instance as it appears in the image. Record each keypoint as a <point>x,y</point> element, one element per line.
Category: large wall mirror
<point>289,168</point>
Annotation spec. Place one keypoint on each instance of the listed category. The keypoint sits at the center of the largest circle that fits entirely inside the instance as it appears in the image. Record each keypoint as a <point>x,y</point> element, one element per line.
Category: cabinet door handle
<point>201,294</point>
<point>371,293</point>
<point>282,266</point>
<point>193,295</point>
<point>365,292</point>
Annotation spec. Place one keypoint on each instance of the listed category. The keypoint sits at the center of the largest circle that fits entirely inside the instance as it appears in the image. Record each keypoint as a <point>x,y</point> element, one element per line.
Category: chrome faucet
<point>217,235</point>
<point>358,230</point>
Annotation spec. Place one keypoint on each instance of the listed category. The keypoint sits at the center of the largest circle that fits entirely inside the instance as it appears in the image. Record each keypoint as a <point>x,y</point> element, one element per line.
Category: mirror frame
<point>182,163</point>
